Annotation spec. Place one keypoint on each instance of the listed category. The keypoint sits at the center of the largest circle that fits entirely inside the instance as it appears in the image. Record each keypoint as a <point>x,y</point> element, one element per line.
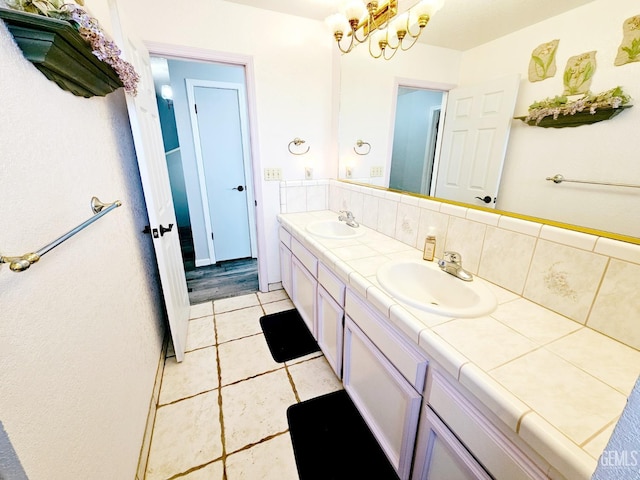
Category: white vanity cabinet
<point>457,440</point>
<point>383,374</point>
<point>330,317</point>
<point>304,289</point>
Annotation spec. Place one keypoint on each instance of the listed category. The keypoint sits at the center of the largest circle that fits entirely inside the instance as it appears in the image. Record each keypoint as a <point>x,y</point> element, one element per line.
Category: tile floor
<point>222,411</point>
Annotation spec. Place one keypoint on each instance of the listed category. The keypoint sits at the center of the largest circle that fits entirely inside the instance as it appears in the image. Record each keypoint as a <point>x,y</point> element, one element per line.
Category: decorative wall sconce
<point>297,142</point>
<point>361,144</point>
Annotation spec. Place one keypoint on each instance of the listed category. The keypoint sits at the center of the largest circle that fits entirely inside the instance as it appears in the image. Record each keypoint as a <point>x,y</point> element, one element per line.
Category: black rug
<point>331,441</point>
<point>287,335</point>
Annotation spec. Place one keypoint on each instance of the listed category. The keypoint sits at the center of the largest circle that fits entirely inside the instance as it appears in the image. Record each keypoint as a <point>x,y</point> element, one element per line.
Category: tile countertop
<point>534,369</point>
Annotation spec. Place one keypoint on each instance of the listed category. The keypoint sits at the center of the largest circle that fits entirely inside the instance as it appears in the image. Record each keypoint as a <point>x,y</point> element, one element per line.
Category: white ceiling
<point>460,25</point>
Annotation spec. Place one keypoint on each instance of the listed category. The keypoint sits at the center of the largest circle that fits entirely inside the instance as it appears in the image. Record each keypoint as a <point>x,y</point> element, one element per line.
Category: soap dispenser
<point>429,247</point>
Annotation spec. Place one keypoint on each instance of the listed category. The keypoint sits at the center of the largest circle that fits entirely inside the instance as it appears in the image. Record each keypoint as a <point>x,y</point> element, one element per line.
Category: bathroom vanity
<point>437,409</point>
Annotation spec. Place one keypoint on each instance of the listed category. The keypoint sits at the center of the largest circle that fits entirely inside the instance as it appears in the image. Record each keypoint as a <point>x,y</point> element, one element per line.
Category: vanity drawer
<point>490,446</point>
<point>332,284</point>
<point>404,356</point>
<point>285,237</point>
<point>307,258</point>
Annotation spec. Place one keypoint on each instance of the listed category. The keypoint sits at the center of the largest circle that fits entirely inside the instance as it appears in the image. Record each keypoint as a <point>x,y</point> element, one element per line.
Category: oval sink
<point>423,285</point>
<point>333,229</point>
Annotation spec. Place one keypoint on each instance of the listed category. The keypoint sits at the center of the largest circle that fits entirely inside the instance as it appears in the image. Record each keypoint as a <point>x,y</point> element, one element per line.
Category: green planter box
<point>580,118</point>
<point>60,53</point>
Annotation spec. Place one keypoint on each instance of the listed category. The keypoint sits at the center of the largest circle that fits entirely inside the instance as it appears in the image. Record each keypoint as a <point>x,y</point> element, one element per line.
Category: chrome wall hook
<point>297,142</point>
<point>360,144</point>
<point>97,206</point>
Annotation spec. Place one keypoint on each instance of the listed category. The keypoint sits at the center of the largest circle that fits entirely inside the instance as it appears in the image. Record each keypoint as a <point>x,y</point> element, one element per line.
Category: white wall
<point>606,151</point>
<point>293,60</point>
<point>81,331</point>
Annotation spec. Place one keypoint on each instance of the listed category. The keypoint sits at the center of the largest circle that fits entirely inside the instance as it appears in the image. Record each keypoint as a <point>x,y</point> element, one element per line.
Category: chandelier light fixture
<point>379,24</point>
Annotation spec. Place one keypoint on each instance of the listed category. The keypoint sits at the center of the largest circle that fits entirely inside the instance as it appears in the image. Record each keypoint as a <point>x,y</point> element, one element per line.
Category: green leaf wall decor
<point>543,61</point>
<point>629,49</point>
<point>578,73</point>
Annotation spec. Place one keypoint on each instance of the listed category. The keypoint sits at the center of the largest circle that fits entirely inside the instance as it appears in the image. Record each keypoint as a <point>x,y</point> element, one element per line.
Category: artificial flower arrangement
<point>561,105</point>
<point>88,27</point>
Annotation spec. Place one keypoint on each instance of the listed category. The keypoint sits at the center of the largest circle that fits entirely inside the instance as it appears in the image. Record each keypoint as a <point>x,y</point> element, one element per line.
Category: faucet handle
<point>454,257</point>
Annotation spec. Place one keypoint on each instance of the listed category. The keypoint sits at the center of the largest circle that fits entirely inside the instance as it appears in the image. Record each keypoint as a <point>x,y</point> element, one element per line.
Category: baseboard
<point>203,262</point>
<point>151,415</point>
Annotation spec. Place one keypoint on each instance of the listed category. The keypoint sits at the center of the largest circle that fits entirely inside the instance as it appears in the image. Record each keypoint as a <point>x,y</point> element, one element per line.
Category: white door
<point>220,131</point>
<point>474,140</point>
<point>147,136</point>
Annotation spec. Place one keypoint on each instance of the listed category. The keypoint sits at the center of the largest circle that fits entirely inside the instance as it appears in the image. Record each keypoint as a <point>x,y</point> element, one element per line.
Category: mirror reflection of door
<point>474,140</point>
<point>415,138</point>
<point>220,131</point>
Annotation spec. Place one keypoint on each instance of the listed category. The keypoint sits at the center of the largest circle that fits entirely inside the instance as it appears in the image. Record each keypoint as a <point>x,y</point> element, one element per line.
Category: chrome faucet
<point>452,264</point>
<point>347,216</point>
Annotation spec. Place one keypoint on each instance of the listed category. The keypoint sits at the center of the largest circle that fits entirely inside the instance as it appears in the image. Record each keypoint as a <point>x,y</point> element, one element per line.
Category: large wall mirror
<point>372,92</point>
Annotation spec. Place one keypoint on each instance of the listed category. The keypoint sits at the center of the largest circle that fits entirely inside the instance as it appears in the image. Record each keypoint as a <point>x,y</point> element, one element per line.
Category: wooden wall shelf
<point>56,49</point>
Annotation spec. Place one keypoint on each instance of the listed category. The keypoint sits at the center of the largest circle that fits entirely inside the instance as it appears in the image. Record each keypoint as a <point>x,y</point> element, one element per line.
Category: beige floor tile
<point>314,378</point>
<point>235,303</point>
<point>201,310</point>
<point>270,460</point>
<point>256,409</point>
<point>186,434</point>
<point>273,296</point>
<point>578,404</point>
<point>303,358</point>
<point>201,333</point>
<point>279,306</point>
<point>197,373</point>
<point>463,335</point>
<point>245,358</point>
<point>213,471</point>
<point>238,324</point>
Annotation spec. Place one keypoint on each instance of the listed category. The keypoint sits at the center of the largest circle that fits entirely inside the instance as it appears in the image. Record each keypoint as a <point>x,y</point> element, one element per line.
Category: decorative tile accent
<point>407,222</point>
<point>564,279</point>
<point>506,257</point>
<point>615,311</point>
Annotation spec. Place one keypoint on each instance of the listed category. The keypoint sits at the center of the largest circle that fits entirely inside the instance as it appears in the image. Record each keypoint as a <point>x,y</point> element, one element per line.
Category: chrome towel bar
<point>21,263</point>
<point>559,179</point>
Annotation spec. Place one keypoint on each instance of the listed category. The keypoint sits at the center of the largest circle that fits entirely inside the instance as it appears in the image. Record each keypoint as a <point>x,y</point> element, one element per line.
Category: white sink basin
<point>333,229</point>
<point>423,285</point>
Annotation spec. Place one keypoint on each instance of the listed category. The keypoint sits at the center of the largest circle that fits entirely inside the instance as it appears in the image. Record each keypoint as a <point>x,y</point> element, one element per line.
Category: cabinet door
<point>285,268</point>
<point>440,455</point>
<point>304,288</point>
<point>384,398</point>
<point>329,325</point>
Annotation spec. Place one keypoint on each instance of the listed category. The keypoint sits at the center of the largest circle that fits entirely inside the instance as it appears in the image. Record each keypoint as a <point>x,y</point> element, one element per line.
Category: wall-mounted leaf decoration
<point>629,49</point>
<point>578,73</point>
<point>543,61</point>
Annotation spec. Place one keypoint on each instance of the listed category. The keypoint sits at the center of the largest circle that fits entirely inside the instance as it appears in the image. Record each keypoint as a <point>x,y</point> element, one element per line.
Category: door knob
<point>239,188</point>
<point>164,230</point>
<point>486,199</point>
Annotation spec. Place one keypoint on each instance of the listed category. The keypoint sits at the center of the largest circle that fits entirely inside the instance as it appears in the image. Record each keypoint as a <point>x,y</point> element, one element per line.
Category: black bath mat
<point>287,335</point>
<point>331,441</point>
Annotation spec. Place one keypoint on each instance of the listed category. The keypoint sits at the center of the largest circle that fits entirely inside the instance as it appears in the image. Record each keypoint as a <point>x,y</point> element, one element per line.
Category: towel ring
<point>297,142</point>
<point>360,144</point>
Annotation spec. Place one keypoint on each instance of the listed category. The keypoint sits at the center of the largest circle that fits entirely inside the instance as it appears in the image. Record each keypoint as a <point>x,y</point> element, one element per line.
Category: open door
<point>147,136</point>
<point>474,140</point>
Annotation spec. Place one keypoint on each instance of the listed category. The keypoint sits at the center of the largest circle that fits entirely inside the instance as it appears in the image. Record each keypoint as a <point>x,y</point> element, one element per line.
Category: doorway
<point>205,150</point>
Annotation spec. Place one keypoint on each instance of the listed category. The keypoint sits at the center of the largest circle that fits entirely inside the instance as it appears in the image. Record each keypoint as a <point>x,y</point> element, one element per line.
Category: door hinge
<point>195,106</point>
<point>255,202</point>
<point>211,235</point>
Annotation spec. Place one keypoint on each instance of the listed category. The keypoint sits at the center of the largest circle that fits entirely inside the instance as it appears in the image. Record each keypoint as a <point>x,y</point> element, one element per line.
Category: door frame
<point>197,54</point>
<point>191,84</point>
